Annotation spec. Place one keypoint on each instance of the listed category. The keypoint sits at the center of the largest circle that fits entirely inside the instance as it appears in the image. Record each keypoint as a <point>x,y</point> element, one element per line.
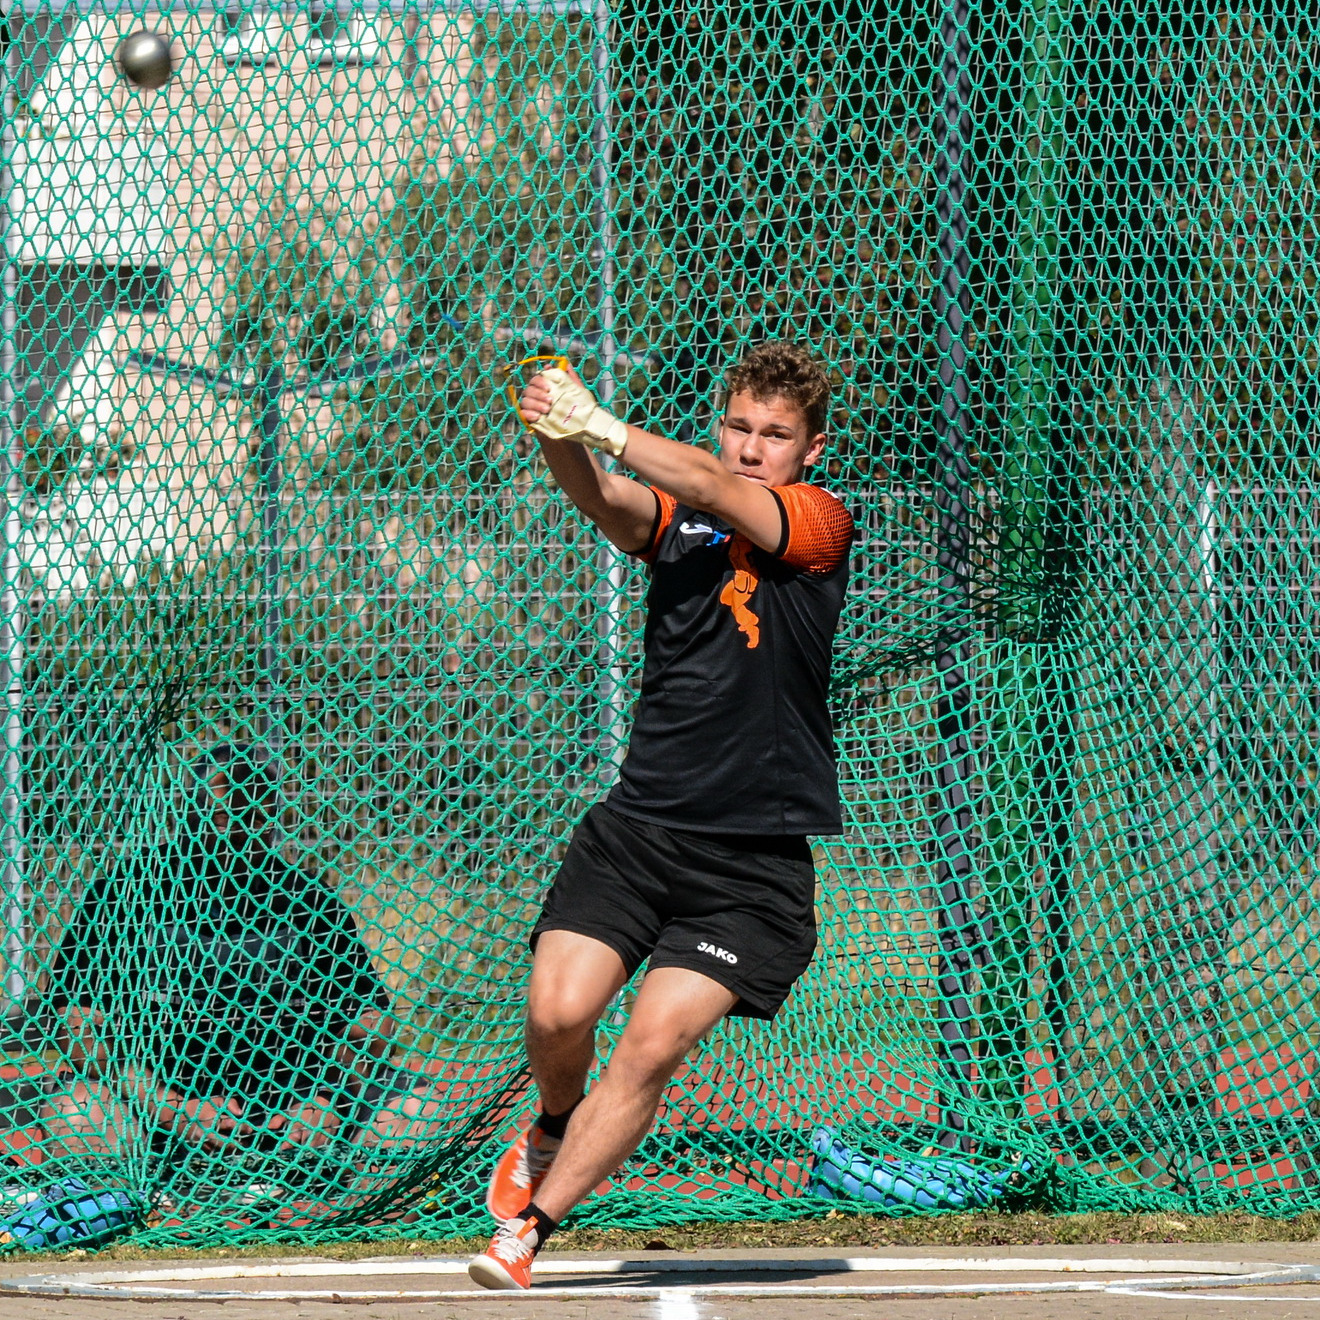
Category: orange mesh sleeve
<point>665,505</point>
<point>817,528</point>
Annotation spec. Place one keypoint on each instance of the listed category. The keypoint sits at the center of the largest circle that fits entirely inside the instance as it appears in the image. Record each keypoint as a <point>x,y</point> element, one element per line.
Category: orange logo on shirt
<point>739,590</point>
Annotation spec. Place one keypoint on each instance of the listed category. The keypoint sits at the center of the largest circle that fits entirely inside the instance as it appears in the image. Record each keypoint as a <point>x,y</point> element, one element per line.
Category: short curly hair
<point>780,369</point>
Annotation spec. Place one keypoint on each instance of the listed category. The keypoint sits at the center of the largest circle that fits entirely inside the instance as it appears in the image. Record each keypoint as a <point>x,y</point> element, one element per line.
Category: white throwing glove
<point>575,415</point>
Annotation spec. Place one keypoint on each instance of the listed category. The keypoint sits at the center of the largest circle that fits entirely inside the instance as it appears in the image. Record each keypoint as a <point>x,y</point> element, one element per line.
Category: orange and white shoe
<point>521,1170</point>
<point>506,1265</point>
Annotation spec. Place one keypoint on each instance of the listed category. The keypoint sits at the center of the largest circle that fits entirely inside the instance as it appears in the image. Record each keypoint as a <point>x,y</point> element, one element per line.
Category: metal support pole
<point>270,719</point>
<point>1057,775</point>
<point>12,843</point>
<point>1207,544</point>
<point>1029,825</point>
<point>1213,917</point>
<point>954,828</point>
<point>614,698</point>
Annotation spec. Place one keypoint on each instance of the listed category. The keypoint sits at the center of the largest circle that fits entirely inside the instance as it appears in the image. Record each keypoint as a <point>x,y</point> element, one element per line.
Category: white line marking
<point>677,1304</point>
<point>1224,1296</point>
<point>549,1266</point>
<point>69,1289</point>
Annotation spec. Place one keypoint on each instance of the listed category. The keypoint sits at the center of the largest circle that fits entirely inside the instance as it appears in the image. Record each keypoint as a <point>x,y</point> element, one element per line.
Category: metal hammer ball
<point>144,59</point>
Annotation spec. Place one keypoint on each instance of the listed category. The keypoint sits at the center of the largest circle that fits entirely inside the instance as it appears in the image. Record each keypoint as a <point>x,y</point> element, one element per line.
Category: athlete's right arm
<point>622,508</point>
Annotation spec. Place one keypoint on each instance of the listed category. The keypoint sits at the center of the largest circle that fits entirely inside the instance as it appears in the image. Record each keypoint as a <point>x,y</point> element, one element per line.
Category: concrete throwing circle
<point>637,1278</point>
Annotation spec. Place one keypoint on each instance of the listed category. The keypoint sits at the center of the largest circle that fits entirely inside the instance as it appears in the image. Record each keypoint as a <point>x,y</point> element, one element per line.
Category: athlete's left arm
<point>560,406</point>
<point>804,526</point>
<point>698,479</point>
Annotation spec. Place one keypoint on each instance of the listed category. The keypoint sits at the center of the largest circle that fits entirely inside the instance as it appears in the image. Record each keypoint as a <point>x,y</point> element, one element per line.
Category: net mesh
<point>309,671</point>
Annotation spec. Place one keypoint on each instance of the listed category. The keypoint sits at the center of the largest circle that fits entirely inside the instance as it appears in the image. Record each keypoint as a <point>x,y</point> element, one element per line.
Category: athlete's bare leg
<point>573,980</point>
<point>88,1119</point>
<point>674,1010</point>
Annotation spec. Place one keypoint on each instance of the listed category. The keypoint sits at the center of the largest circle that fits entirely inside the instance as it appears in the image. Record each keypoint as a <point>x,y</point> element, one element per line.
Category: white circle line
<point>552,1265</point>
<point>1222,1295</point>
<point>146,1285</point>
<point>581,1292</point>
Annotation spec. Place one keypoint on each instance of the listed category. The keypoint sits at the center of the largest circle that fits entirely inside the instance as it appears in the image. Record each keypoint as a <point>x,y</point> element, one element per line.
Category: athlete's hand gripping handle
<point>575,415</point>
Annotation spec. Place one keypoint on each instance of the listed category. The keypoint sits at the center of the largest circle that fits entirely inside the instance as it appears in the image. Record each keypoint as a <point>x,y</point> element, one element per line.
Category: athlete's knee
<point>79,1105</point>
<point>406,1120</point>
<point>650,1053</point>
<point>573,979</point>
<point>82,1119</point>
<point>567,1014</point>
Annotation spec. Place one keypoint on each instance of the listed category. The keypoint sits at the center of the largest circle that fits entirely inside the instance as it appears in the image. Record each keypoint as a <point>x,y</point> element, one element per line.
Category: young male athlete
<point>698,858</point>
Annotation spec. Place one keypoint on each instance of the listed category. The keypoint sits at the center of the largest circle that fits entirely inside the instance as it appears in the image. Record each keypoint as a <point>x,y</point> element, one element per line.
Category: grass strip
<point>1031,1229</point>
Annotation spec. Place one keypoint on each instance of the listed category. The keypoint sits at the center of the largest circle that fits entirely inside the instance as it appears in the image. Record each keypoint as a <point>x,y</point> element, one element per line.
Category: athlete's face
<point>766,440</point>
<point>219,786</point>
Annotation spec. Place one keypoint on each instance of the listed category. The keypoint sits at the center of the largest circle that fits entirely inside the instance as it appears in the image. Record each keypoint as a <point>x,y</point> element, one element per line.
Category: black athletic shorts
<point>738,908</point>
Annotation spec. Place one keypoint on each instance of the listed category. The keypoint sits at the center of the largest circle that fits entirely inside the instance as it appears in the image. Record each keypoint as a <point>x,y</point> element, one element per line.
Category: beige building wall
<point>182,176</point>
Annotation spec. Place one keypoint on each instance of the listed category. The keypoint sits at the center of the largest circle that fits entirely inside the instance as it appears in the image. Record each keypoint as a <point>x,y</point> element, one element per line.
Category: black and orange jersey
<point>732,730</point>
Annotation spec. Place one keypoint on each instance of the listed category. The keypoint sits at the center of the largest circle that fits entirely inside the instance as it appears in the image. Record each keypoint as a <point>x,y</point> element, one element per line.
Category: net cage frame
<point>264,494</point>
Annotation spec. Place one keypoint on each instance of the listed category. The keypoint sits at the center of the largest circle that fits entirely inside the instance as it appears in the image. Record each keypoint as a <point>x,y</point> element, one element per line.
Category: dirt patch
<point>835,1230</point>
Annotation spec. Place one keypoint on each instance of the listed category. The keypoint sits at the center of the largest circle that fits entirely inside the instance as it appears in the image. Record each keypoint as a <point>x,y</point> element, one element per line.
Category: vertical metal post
<point>12,843</point>
<point>1212,918</point>
<point>613,694</point>
<point>1207,542</point>
<point>958,929</point>
<point>1057,785</point>
<point>602,134</point>
<point>1029,826</point>
<point>270,721</point>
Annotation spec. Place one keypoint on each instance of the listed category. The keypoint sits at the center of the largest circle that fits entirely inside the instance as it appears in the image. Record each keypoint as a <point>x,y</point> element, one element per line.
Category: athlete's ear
<point>814,449</point>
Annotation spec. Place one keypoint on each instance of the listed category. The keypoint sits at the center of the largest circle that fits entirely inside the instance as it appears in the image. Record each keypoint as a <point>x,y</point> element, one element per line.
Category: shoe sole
<point>491,1274</point>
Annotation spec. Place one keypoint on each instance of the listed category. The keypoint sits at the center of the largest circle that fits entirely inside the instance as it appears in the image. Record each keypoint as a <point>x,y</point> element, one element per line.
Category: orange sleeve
<point>818,529</point>
<point>665,504</point>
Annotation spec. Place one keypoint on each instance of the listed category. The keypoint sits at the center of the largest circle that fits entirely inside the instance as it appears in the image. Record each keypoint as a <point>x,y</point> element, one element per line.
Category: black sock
<point>555,1125</point>
<point>542,1222</point>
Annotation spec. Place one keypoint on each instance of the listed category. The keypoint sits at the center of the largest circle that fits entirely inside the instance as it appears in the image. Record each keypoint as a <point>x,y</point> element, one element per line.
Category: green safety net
<point>309,670</point>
